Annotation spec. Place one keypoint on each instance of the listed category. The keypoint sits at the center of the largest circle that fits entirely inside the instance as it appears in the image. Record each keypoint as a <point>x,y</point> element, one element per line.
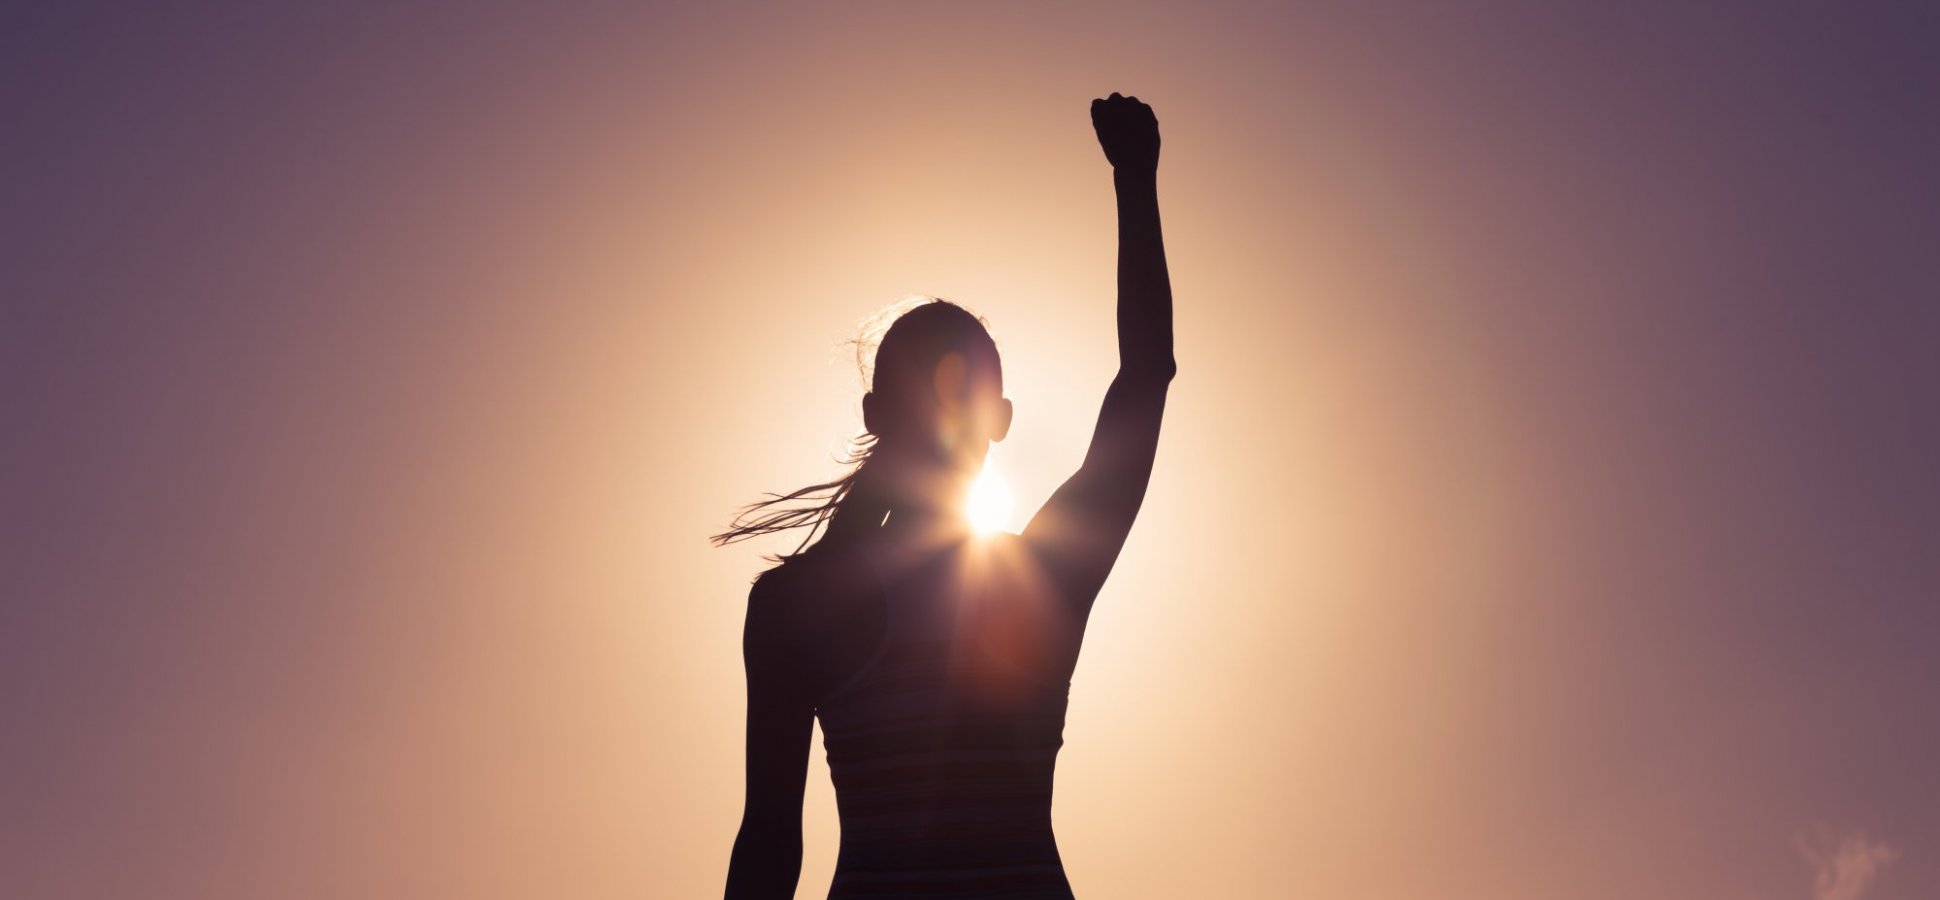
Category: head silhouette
<point>935,403</point>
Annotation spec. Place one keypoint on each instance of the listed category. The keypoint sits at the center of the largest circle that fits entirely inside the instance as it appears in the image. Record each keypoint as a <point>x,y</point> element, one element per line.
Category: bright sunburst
<point>990,502</point>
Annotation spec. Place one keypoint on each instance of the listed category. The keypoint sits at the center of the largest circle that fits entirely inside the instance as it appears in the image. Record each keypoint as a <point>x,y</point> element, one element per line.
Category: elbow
<point>1153,370</point>
<point>771,829</point>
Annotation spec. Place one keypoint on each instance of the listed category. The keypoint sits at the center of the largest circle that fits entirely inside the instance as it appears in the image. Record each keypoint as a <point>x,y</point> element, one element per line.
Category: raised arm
<point>767,858</point>
<point>1078,533</point>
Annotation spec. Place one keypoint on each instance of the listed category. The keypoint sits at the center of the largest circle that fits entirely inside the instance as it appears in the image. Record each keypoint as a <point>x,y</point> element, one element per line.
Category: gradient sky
<point>1548,505</point>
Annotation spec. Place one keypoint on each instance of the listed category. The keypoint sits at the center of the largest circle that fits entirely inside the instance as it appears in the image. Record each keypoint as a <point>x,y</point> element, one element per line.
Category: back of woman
<point>943,741</point>
<point>938,661</point>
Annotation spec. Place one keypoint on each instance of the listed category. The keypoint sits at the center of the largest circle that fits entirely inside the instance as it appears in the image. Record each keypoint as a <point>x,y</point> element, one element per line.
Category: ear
<point>871,413</point>
<point>1000,426</point>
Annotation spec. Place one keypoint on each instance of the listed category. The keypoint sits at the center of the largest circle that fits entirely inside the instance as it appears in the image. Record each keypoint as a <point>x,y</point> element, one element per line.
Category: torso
<point>940,680</point>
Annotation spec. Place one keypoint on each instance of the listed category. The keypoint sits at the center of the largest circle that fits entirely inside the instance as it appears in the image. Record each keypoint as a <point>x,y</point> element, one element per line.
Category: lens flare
<point>989,504</point>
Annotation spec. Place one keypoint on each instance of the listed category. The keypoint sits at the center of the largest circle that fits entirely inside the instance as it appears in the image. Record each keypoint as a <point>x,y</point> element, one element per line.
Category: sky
<point>1547,503</point>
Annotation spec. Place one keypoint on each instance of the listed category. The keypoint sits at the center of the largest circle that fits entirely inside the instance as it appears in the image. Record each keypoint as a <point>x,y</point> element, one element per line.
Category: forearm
<point>1144,285</point>
<point>766,863</point>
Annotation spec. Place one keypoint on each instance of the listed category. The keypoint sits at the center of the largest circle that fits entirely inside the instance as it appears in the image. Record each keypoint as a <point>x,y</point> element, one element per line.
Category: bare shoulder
<point>818,614</point>
<point>803,597</point>
<point>776,601</point>
<point>801,578</point>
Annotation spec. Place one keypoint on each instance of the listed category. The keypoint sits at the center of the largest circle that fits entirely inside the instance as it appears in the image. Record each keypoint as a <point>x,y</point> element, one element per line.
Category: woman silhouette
<point>938,663</point>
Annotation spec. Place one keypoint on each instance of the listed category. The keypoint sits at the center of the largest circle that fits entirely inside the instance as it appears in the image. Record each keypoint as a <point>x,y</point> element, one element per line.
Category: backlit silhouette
<point>939,661</point>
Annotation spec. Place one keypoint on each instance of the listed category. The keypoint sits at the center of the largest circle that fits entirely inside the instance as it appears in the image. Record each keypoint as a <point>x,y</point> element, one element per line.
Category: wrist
<point>1137,177</point>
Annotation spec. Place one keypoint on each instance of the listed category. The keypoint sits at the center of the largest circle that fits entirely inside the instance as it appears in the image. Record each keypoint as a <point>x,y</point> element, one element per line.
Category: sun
<point>989,504</point>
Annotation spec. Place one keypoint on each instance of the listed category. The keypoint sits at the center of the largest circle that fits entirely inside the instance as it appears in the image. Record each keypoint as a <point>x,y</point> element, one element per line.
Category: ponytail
<point>840,510</point>
<point>905,337</point>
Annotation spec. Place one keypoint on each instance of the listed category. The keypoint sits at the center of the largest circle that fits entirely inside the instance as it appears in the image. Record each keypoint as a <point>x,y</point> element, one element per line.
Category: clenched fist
<point>1128,132</point>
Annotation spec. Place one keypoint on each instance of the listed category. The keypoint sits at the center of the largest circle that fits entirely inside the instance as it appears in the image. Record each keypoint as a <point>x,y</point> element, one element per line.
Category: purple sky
<point>1549,505</point>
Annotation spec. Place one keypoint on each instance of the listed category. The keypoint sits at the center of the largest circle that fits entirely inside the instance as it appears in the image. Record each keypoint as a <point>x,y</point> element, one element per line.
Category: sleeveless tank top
<point>942,744</point>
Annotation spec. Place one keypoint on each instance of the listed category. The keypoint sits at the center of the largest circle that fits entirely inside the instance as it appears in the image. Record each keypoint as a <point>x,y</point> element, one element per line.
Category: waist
<point>953,862</point>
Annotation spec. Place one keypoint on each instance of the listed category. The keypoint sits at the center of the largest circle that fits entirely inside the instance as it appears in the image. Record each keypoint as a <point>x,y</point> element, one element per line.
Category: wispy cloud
<point>1844,865</point>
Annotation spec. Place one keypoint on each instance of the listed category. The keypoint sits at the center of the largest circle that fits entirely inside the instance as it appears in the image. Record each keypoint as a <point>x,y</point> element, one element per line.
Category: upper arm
<point>1078,533</point>
<point>766,860</point>
<point>780,713</point>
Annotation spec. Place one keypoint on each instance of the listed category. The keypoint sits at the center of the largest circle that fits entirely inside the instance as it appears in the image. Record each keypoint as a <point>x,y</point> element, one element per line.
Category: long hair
<point>908,336</point>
